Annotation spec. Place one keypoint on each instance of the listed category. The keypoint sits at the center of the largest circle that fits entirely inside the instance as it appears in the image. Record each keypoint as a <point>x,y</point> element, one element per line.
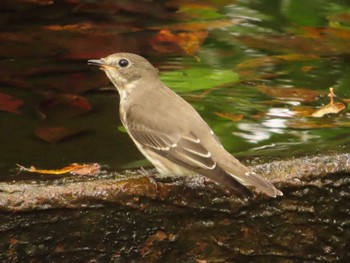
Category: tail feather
<point>224,178</point>
<point>253,179</point>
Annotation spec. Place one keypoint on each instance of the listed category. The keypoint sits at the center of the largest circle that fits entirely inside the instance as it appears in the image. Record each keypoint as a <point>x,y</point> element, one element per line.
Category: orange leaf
<point>74,168</point>
<point>306,69</point>
<point>187,42</point>
<point>72,27</point>
<point>333,108</point>
<point>230,116</point>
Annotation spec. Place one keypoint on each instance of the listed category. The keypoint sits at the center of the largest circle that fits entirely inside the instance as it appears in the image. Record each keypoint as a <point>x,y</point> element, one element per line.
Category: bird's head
<point>125,68</point>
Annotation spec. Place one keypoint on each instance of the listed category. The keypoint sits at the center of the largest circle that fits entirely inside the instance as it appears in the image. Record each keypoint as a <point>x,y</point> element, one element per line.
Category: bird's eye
<point>123,63</point>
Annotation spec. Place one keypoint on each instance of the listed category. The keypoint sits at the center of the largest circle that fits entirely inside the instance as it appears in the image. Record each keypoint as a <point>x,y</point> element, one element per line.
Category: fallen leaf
<point>230,116</point>
<point>331,108</point>
<point>80,27</point>
<point>258,115</point>
<point>63,106</point>
<point>309,125</point>
<point>9,103</point>
<point>296,94</point>
<point>302,111</point>
<point>278,59</point>
<point>184,42</point>
<point>53,134</point>
<point>306,69</point>
<point>74,168</point>
<point>320,41</point>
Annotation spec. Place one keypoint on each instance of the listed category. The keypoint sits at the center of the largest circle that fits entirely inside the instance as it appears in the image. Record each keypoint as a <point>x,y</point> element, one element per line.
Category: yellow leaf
<point>331,108</point>
<point>230,116</point>
<point>74,168</point>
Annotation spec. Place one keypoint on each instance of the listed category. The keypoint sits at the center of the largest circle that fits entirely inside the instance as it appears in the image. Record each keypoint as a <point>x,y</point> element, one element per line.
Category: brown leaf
<point>306,69</point>
<point>81,43</point>
<point>329,109</point>
<point>264,61</point>
<point>230,116</point>
<point>302,111</point>
<point>319,41</point>
<point>310,125</point>
<point>184,42</point>
<point>9,103</point>
<point>63,106</point>
<point>53,134</point>
<point>79,27</point>
<point>296,94</point>
<point>258,115</point>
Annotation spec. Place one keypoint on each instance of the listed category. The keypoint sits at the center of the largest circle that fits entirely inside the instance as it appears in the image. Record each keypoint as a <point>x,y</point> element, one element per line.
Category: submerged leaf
<point>297,94</point>
<point>302,111</point>
<point>230,116</point>
<point>184,42</point>
<point>54,134</point>
<point>63,106</point>
<point>263,61</point>
<point>9,103</point>
<point>310,125</point>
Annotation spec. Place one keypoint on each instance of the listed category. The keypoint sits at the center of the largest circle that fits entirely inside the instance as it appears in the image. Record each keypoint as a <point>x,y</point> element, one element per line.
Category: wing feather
<point>185,149</point>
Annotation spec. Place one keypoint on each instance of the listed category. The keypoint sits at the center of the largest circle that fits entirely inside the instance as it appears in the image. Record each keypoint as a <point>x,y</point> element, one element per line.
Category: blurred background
<point>259,73</point>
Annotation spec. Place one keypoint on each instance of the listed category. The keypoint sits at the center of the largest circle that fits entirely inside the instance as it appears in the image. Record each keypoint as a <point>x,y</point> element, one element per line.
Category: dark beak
<point>96,62</point>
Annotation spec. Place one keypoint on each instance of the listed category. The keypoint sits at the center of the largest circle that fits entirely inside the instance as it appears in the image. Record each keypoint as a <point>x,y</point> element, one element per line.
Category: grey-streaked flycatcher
<point>169,132</point>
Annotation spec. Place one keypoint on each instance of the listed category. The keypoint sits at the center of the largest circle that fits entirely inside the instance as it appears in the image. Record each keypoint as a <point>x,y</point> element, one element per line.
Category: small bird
<point>169,132</point>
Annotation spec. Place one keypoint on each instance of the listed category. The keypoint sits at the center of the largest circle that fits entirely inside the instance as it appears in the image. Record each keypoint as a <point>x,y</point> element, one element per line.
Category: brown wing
<point>186,151</point>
